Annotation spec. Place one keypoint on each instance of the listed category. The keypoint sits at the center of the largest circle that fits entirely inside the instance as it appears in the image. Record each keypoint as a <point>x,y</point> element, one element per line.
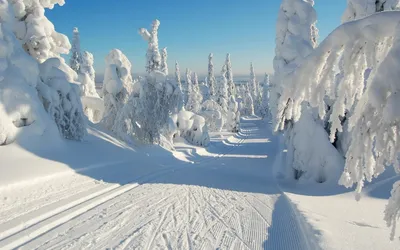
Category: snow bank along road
<point>225,199</point>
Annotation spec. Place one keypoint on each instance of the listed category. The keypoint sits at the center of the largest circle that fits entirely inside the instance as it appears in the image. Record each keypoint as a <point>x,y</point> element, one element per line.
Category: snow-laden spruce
<point>36,33</point>
<point>233,117</point>
<point>22,114</point>
<point>164,58</point>
<point>221,95</point>
<point>181,102</point>
<point>229,76</point>
<point>76,57</point>
<point>357,9</point>
<point>146,115</point>
<point>195,98</point>
<point>253,88</point>
<point>117,86</point>
<point>264,107</point>
<point>210,80</point>
<point>366,87</point>
<point>89,94</point>
<point>247,105</point>
<point>153,55</point>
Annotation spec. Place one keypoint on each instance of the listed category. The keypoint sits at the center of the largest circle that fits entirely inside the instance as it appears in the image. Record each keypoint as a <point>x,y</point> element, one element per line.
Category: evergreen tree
<point>76,57</point>
<point>164,57</point>
<point>222,91</point>
<point>211,78</point>
<point>229,76</point>
<point>264,110</point>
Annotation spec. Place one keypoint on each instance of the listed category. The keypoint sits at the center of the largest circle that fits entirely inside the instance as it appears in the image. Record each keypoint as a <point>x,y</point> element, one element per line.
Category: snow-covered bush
<point>193,128</point>
<point>210,80</point>
<point>61,97</point>
<point>247,108</point>
<point>117,86</point>
<point>229,76</point>
<point>35,32</point>
<point>264,108</point>
<point>76,56</point>
<point>20,106</point>
<point>194,96</point>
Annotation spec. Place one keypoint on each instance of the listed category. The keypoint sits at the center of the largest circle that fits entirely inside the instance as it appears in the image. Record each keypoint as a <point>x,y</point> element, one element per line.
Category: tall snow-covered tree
<point>181,105</point>
<point>211,77</point>
<point>117,86</point>
<point>222,91</point>
<point>164,65</point>
<point>153,54</point>
<point>253,87</point>
<point>229,76</point>
<point>194,98</point>
<point>264,109</point>
<point>76,57</point>
<point>233,118</point>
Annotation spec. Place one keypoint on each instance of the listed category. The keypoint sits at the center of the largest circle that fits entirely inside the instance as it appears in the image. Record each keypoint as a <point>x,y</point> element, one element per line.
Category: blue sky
<point>189,29</point>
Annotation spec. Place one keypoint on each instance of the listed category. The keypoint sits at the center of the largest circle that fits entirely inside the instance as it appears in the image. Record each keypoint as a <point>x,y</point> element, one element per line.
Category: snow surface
<point>102,193</point>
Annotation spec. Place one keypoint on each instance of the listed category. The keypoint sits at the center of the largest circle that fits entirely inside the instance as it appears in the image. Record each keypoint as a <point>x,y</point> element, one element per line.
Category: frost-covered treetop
<point>229,76</point>
<point>153,53</point>
<point>164,65</point>
<point>357,9</point>
<point>211,76</point>
<point>296,34</point>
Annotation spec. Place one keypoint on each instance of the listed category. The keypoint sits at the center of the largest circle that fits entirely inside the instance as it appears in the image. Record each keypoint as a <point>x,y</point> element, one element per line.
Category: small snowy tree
<point>248,106</point>
<point>117,86</point>
<point>233,119</point>
<point>264,109</point>
<point>210,78</point>
<point>229,76</point>
<point>76,57</point>
<point>164,57</point>
<point>153,54</point>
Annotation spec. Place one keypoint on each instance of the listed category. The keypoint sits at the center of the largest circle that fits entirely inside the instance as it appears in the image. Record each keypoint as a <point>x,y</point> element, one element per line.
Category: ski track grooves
<point>148,215</point>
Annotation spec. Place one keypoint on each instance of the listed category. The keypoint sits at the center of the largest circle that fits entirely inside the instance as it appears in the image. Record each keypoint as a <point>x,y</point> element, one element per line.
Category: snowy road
<point>226,199</point>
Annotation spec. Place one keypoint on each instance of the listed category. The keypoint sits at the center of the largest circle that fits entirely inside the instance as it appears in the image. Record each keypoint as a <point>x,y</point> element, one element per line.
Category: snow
<point>221,196</point>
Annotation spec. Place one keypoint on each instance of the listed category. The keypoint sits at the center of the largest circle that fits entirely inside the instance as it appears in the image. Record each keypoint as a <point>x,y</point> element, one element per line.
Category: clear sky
<point>190,29</point>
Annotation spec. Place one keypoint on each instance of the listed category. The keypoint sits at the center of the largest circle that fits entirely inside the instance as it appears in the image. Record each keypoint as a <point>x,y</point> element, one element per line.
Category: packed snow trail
<point>226,198</point>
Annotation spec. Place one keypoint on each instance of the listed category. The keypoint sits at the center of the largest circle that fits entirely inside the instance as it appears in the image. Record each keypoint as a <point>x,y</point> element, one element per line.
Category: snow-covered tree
<point>229,76</point>
<point>20,105</point>
<point>357,9</point>
<point>210,78</point>
<point>181,105</point>
<point>146,115</point>
<point>117,86</point>
<point>76,57</point>
<point>194,98</point>
<point>222,91</point>
<point>36,33</point>
<point>233,117</point>
<point>253,88</point>
<point>153,54</point>
<point>264,109</point>
<point>164,57</point>
<point>248,106</point>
